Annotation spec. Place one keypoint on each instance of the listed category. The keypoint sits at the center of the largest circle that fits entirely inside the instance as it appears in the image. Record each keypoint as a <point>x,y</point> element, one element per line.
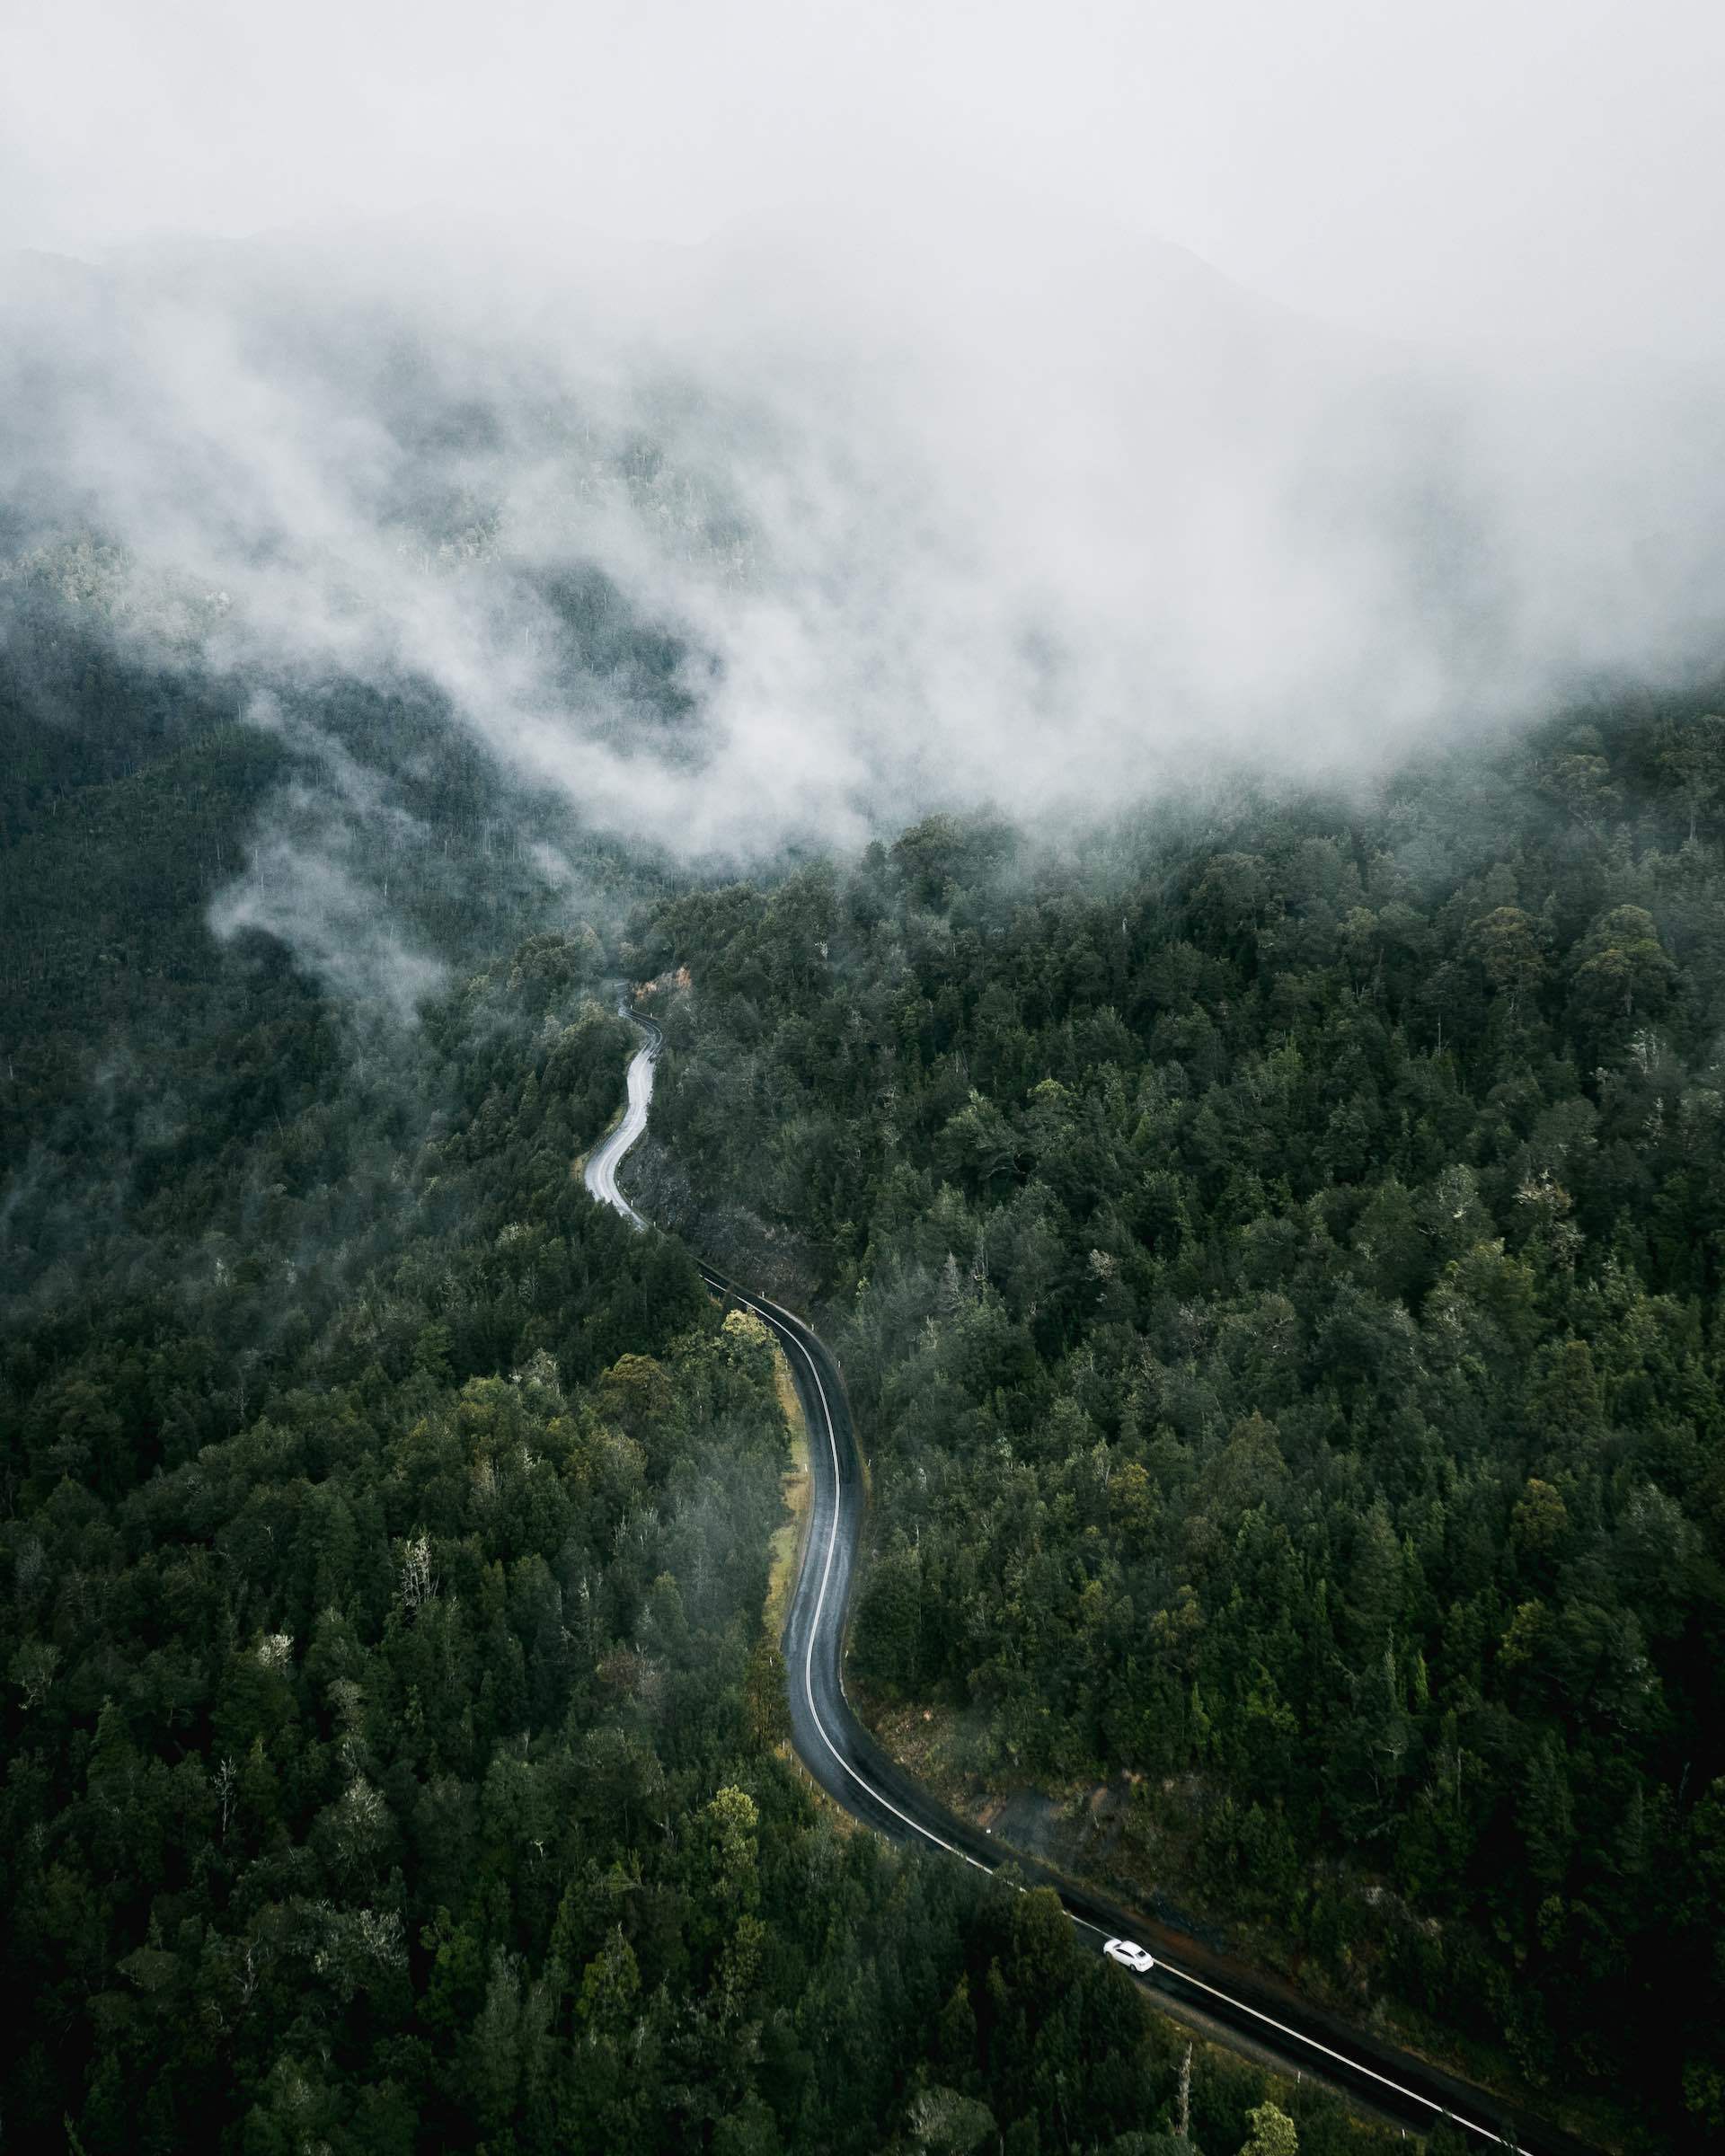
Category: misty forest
<point>1162,869</point>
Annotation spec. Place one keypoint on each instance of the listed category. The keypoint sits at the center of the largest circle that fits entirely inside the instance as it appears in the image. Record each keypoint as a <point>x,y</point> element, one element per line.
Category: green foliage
<point>384,1538</point>
<point>1278,1273</point>
<point>1272,2134</point>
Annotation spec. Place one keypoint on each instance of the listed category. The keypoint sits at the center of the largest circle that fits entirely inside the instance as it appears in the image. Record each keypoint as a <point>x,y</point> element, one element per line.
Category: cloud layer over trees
<point>764,428</point>
<point>769,539</point>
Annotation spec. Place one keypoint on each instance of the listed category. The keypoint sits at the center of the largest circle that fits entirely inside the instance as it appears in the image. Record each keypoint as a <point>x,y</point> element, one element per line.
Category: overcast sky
<point>1542,171</point>
<point>960,487</point>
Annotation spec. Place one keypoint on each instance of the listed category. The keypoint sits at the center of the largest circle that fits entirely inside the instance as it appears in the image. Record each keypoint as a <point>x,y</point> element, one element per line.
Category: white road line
<point>601,1175</point>
<point>789,1327</point>
<point>787,1331</point>
<point>1353,2065</point>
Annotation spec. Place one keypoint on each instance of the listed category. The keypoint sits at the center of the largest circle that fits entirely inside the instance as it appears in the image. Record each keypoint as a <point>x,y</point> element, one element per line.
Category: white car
<point>1130,1955</point>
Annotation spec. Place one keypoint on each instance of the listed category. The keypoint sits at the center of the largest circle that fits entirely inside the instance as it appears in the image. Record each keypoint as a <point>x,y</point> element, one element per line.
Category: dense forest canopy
<point>1274,1243</point>
<point>393,1754</point>
<point>1275,1250</point>
<point>1107,624</point>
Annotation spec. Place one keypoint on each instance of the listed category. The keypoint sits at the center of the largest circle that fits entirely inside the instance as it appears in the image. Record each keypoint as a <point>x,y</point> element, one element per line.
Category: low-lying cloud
<point>311,878</point>
<point>793,534</point>
<point>310,901</point>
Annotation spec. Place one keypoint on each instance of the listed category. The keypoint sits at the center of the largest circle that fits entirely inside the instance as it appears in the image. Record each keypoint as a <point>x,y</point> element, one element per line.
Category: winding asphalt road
<point>603,1163</point>
<point>1267,2018</point>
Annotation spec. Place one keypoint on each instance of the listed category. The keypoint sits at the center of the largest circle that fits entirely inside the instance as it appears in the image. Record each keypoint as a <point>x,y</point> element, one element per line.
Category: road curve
<point>851,1767</point>
<point>600,1174</point>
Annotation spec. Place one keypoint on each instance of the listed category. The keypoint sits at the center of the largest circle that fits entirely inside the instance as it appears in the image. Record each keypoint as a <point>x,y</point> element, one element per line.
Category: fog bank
<point>790,535</point>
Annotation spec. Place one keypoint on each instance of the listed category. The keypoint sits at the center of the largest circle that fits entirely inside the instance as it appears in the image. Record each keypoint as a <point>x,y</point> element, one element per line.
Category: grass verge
<point>799,1496</point>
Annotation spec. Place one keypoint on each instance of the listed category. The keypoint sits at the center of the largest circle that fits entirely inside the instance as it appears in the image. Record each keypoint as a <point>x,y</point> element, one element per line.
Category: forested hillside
<point>393,1752</point>
<point>862,1080</point>
<point>1274,1251</point>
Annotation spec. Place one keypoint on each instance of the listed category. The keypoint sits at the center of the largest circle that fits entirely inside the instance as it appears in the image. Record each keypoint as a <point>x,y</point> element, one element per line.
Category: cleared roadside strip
<point>786,1328</point>
<point>790,1330</point>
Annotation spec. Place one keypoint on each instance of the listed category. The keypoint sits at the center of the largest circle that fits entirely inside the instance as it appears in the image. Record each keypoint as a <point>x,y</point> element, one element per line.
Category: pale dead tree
<point>361,1822</point>
<point>246,1365</point>
<point>227,1781</point>
<point>32,1669</point>
<point>1184,2127</point>
<point>31,1570</point>
<point>589,1638</point>
<point>350,1703</point>
<point>637,1527</point>
<point>419,1581</point>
